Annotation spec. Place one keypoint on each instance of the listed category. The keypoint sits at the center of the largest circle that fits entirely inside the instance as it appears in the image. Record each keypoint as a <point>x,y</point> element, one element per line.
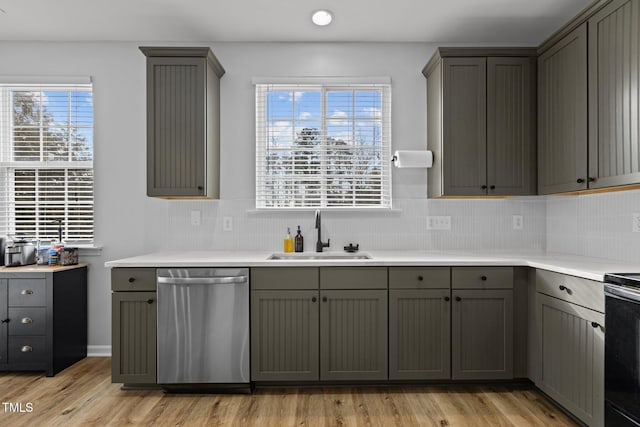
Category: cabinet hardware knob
<point>458,299</point>
<point>592,179</point>
<point>595,325</point>
<point>26,349</point>
<point>313,299</point>
<point>579,180</point>
<point>562,287</point>
<point>132,279</point>
<point>484,187</point>
<point>200,187</point>
<point>420,278</point>
<point>447,298</point>
<point>26,292</point>
<point>6,320</point>
<point>483,278</point>
<point>150,301</point>
<point>324,299</point>
<point>26,320</point>
<point>493,187</point>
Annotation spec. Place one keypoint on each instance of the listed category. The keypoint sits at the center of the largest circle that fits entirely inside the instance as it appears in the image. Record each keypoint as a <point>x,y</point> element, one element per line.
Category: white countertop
<point>588,268</point>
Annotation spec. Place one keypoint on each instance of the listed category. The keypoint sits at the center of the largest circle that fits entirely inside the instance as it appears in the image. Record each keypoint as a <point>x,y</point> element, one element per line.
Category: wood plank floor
<point>83,395</point>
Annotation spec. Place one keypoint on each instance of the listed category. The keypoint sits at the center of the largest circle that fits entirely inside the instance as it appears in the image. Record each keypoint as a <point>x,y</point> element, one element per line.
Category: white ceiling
<point>525,22</point>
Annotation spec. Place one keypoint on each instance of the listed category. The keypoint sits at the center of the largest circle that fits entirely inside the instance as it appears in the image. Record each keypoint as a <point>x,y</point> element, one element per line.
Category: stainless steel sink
<point>318,256</point>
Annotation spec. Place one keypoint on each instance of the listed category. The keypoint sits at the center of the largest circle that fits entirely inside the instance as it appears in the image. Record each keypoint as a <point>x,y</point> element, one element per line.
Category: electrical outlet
<point>196,218</point>
<point>227,223</point>
<point>518,222</point>
<point>439,223</point>
<point>636,223</point>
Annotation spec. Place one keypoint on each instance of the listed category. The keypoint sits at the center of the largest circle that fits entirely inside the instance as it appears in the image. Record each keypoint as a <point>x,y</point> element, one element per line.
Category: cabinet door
<point>419,334</point>
<point>464,126</point>
<point>176,126</point>
<point>284,336</point>
<point>511,148</point>
<point>353,335</point>
<point>4,326</point>
<point>572,359</point>
<point>562,115</point>
<point>133,337</point>
<point>482,334</point>
<point>614,78</point>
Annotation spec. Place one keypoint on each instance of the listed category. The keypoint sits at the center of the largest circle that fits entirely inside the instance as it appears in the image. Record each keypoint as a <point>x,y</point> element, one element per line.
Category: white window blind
<point>46,161</point>
<point>323,146</point>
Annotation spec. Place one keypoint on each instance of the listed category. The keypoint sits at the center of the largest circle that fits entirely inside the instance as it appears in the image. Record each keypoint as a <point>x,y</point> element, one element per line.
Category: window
<point>46,161</point>
<point>323,146</point>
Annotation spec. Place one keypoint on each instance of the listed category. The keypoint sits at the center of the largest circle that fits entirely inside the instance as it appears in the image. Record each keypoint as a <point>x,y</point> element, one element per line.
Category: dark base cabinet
<point>44,318</point>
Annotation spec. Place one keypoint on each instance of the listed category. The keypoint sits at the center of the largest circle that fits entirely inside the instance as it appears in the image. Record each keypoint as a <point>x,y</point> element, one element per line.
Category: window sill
<point>374,211</point>
<point>86,249</point>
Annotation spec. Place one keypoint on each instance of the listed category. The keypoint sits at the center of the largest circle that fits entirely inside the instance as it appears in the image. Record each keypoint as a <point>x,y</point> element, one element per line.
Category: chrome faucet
<point>319,244</point>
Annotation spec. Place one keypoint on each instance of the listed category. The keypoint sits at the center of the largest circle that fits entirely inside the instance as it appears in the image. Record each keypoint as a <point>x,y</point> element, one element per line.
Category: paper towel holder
<point>425,163</point>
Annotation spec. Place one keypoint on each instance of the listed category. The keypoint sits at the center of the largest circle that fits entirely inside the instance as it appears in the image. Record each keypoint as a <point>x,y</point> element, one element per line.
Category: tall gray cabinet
<point>481,122</point>
<point>183,122</point>
<point>589,115</point>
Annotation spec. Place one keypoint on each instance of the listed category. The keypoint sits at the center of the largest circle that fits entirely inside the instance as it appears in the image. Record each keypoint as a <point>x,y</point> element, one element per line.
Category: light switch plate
<point>227,223</point>
<point>439,222</point>
<point>518,222</point>
<point>196,218</point>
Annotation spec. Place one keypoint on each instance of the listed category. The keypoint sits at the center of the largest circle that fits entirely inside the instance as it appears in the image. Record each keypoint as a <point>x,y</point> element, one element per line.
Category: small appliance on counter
<point>19,252</point>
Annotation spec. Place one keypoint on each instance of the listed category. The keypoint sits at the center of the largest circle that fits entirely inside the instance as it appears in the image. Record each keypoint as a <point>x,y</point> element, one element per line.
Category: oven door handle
<point>621,293</point>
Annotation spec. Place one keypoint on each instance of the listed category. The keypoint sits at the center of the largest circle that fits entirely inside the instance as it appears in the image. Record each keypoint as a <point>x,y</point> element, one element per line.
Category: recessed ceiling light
<point>322,17</point>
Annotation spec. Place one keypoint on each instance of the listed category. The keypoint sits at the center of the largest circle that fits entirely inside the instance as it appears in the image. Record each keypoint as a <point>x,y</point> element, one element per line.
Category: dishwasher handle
<point>203,280</point>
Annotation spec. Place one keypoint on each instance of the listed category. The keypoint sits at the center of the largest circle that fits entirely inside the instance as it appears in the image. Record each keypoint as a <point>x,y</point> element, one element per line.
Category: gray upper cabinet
<point>481,115</point>
<point>614,79</point>
<point>562,114</point>
<point>183,122</point>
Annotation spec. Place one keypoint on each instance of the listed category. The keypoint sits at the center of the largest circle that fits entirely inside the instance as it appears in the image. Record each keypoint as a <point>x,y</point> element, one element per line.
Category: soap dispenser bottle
<point>299,241</point>
<point>288,241</point>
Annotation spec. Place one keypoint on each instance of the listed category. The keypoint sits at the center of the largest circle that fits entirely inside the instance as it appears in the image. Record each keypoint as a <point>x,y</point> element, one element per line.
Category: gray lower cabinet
<point>562,114</point>
<point>419,334</point>
<point>482,334</point>
<point>43,318</point>
<point>491,92</point>
<point>284,335</point>
<point>353,334</point>
<point>614,110</point>
<point>133,328</point>
<point>572,357</point>
<point>183,122</point>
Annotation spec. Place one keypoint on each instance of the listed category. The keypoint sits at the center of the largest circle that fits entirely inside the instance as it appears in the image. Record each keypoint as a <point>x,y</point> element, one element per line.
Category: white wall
<point>128,223</point>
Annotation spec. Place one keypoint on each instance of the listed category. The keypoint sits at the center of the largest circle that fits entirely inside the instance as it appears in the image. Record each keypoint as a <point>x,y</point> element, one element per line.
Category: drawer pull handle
<point>420,278</point>
<point>458,299</point>
<point>150,301</point>
<point>132,279</point>
<point>314,299</point>
<point>26,292</point>
<point>580,180</point>
<point>595,325</point>
<point>564,288</point>
<point>6,320</point>
<point>26,349</point>
<point>26,320</point>
<point>446,299</point>
<point>483,278</point>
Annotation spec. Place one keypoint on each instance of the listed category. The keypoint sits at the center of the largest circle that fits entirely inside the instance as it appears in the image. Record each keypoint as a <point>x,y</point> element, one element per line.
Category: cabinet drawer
<point>482,277</point>
<point>419,277</point>
<point>133,279</point>
<point>27,350</point>
<point>277,278</point>
<point>587,293</point>
<point>27,292</point>
<point>353,278</point>
<point>27,320</point>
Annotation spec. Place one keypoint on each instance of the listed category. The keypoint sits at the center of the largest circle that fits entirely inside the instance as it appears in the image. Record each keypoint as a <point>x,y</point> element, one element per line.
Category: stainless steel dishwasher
<point>203,328</point>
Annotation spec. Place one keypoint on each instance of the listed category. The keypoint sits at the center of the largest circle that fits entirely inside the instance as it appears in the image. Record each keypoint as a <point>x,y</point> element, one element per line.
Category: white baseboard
<point>98,351</point>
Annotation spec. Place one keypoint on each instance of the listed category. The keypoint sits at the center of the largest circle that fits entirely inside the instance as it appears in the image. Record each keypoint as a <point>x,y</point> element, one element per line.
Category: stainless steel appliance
<point>203,328</point>
<point>622,350</point>
<point>19,252</point>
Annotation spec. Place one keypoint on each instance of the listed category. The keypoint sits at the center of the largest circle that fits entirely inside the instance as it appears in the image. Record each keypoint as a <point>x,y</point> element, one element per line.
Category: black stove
<point>622,349</point>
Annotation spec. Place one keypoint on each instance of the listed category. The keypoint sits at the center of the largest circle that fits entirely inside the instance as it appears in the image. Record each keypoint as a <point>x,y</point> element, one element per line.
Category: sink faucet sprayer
<point>319,244</point>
